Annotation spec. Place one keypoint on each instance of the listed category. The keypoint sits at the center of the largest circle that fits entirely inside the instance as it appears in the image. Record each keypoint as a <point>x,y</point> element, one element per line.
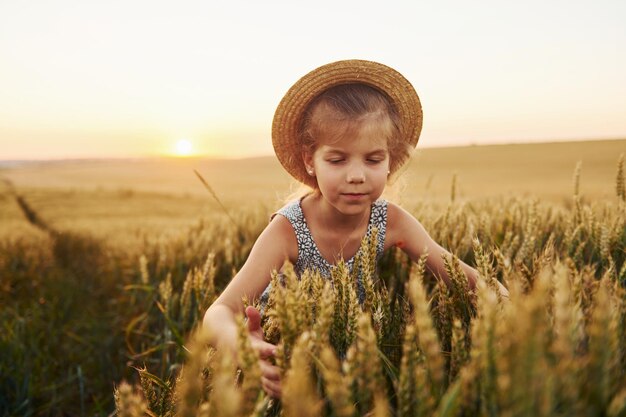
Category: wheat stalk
<point>300,398</point>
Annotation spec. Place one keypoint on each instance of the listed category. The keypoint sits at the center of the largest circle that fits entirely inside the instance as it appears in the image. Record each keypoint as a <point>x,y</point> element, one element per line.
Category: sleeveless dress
<point>309,256</point>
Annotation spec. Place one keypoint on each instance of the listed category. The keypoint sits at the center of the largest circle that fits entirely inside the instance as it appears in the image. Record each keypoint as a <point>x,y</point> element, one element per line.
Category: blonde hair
<point>343,110</point>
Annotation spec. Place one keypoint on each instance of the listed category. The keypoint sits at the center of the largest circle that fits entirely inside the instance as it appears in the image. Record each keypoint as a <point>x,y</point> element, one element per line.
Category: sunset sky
<point>87,79</point>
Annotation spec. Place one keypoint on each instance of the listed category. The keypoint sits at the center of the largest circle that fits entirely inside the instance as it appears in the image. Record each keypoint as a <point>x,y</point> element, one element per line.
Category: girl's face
<point>351,172</point>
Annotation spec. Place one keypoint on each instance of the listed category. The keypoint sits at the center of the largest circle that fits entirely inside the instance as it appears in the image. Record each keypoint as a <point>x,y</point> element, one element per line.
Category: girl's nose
<point>356,175</point>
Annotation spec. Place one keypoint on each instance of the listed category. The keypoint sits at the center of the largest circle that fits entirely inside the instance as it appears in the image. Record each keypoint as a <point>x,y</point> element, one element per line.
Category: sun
<point>184,147</point>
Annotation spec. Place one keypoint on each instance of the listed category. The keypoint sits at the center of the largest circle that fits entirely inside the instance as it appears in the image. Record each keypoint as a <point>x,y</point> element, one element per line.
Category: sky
<point>132,78</point>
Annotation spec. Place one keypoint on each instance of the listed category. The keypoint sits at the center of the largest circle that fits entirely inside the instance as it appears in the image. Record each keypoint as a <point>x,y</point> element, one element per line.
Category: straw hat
<point>288,116</point>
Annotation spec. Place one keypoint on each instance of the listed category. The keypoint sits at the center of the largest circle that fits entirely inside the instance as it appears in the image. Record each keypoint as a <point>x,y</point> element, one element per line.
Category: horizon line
<point>245,157</point>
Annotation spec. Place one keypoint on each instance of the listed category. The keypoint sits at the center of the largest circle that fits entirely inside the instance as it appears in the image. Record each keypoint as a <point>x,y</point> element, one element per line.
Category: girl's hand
<point>270,374</point>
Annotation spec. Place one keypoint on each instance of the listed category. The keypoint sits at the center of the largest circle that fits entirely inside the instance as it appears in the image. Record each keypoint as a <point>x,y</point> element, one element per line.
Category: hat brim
<point>289,113</point>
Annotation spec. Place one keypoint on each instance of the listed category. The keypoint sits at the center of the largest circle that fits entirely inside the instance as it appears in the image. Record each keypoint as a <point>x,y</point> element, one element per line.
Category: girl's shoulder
<point>280,232</point>
<point>292,210</point>
<point>395,213</point>
<point>285,216</point>
<point>399,222</point>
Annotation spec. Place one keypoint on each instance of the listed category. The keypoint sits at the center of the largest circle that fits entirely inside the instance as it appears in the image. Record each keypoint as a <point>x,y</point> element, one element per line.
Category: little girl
<point>342,130</point>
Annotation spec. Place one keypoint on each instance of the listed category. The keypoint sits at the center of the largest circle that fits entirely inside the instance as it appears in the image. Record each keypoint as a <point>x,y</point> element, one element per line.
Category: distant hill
<point>541,169</point>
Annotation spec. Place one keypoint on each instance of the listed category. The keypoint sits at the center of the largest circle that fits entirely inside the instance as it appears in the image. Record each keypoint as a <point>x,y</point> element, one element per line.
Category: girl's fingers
<point>270,371</point>
<point>254,319</point>
<point>266,350</point>
<point>272,388</point>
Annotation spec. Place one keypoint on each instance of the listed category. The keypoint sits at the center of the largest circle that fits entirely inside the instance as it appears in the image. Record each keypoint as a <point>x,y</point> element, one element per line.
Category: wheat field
<point>107,267</point>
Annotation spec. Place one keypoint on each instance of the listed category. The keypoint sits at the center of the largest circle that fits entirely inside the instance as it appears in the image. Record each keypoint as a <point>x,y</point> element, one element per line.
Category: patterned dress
<point>309,256</point>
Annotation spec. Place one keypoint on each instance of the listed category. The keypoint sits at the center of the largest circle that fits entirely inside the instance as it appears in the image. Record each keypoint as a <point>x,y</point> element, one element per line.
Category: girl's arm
<point>405,232</point>
<point>276,244</point>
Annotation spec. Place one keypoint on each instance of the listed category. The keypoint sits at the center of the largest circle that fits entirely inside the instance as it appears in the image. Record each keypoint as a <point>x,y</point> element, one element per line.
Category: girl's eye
<point>374,161</point>
<point>335,161</point>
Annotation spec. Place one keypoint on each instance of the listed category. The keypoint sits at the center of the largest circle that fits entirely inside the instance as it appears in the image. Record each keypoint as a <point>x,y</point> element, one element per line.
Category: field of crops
<point>105,274</point>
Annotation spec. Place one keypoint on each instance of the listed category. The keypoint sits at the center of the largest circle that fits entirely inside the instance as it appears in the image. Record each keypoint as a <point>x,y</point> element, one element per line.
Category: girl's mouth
<point>354,196</point>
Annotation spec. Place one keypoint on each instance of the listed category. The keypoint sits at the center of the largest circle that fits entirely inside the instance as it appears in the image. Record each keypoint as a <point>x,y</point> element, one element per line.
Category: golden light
<point>183,147</point>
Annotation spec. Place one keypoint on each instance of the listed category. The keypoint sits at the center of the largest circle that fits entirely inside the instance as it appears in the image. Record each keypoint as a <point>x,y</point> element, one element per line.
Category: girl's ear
<point>307,157</point>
